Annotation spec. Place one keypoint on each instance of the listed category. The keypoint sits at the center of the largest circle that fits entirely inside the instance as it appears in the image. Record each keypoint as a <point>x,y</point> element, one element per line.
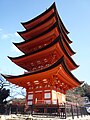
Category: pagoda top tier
<point>44,39</point>
<point>43,26</point>
<point>42,17</point>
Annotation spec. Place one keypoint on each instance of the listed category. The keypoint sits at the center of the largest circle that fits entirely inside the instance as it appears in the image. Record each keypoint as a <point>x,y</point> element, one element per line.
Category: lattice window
<point>29,102</point>
<point>30,97</point>
<point>47,95</point>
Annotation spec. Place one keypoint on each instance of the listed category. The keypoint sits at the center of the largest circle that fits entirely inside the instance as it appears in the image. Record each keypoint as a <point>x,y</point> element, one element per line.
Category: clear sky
<point>75,15</point>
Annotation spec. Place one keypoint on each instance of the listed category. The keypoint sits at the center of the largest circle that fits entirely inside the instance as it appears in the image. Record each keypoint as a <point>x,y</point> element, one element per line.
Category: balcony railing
<point>54,102</point>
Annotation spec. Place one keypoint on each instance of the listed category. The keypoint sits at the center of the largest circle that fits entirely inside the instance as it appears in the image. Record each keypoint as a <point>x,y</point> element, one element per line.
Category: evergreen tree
<point>4,93</point>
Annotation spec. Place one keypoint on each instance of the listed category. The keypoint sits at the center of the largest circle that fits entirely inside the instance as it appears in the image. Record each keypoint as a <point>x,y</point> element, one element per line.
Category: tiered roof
<point>52,52</point>
<point>39,19</point>
<point>58,70</point>
<point>47,53</point>
<point>44,39</point>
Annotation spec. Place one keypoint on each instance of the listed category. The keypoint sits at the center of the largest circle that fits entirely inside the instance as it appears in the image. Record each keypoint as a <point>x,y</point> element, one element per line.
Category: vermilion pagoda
<point>47,59</point>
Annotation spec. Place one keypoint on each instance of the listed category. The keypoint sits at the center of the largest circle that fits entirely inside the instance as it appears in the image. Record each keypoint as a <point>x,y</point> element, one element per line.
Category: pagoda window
<point>30,97</point>
<point>29,102</point>
<point>47,95</point>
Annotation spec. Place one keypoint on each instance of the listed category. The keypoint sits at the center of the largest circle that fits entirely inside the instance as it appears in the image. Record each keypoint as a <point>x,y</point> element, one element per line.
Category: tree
<point>78,94</point>
<point>14,91</point>
<point>4,93</point>
<point>86,88</point>
<point>8,92</point>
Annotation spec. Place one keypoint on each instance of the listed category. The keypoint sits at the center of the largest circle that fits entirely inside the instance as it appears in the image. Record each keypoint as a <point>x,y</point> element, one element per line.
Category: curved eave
<point>68,40</point>
<point>16,59</point>
<point>39,29</point>
<point>45,32</point>
<point>29,40</point>
<point>63,26</point>
<point>53,6</point>
<point>41,73</point>
<point>72,52</point>
<point>26,35</point>
<point>34,19</point>
<point>39,24</point>
<point>66,31</point>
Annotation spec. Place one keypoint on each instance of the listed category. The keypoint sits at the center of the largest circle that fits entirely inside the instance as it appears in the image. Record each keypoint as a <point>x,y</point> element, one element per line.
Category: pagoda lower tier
<point>47,86</point>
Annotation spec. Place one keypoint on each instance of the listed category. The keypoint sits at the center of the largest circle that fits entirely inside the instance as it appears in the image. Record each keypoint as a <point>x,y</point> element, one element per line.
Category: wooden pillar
<point>65,111</point>
<point>34,95</point>
<point>45,109</point>
<point>77,111</point>
<point>72,112</point>
<point>43,101</point>
<point>26,97</point>
<point>81,110</point>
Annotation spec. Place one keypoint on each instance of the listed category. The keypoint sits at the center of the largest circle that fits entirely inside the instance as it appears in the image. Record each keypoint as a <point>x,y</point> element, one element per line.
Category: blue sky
<point>75,15</point>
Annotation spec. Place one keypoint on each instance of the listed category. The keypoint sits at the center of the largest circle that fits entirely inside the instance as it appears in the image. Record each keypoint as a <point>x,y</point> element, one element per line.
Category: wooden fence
<point>61,111</point>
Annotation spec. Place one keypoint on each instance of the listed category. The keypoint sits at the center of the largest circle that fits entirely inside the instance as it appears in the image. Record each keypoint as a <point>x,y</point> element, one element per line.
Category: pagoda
<point>47,59</point>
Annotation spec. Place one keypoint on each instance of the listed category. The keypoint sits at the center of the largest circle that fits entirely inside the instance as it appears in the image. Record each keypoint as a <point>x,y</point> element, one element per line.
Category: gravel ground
<point>26,117</point>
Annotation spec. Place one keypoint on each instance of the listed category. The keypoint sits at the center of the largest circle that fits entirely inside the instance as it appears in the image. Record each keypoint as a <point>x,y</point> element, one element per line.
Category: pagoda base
<point>47,109</point>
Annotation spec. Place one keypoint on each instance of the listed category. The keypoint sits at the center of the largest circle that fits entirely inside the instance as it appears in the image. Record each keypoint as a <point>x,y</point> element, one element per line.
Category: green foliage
<point>77,94</point>
<point>4,93</point>
<point>86,88</point>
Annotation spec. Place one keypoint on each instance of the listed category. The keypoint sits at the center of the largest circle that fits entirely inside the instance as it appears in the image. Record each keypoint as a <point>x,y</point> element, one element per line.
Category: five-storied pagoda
<point>47,59</point>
